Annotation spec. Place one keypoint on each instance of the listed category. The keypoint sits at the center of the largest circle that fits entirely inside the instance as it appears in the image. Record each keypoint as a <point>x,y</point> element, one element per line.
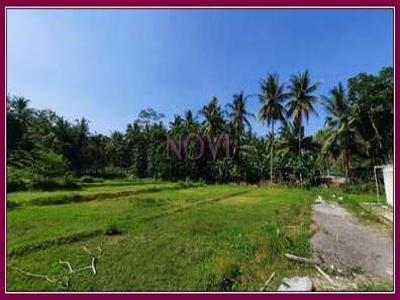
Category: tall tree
<point>214,122</point>
<point>302,100</point>
<point>272,98</point>
<point>115,149</point>
<point>340,123</point>
<point>239,121</point>
<point>176,124</point>
<point>372,96</point>
<point>19,116</point>
<point>81,141</point>
<point>190,122</point>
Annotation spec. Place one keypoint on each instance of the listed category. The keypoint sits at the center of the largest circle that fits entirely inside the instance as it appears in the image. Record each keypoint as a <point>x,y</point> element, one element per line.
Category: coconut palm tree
<point>19,119</point>
<point>272,109</point>
<point>340,124</point>
<point>115,149</point>
<point>190,121</point>
<point>22,110</point>
<point>176,123</point>
<point>302,100</point>
<point>214,122</point>
<point>287,150</point>
<point>63,137</point>
<point>288,139</point>
<point>82,127</point>
<point>239,114</point>
<point>239,121</point>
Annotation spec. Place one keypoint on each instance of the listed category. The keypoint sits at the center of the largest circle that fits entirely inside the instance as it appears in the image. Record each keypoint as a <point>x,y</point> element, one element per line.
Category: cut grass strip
<point>79,197</point>
<point>26,196</point>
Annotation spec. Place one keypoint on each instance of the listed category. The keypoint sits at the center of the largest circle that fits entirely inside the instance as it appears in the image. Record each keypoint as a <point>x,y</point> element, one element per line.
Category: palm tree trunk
<point>300,140</point>
<point>300,175</point>
<point>272,153</point>
<point>346,166</point>
<point>346,159</point>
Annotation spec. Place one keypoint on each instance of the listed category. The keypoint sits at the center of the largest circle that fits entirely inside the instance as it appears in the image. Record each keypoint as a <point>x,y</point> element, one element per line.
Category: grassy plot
<point>32,227</point>
<point>217,237</point>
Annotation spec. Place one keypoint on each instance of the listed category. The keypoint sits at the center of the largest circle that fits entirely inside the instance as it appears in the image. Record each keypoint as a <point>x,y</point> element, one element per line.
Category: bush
<point>18,179</point>
<point>90,179</point>
<point>86,179</point>
<point>49,163</point>
<point>132,177</point>
<point>48,183</point>
<point>188,183</point>
<point>43,170</point>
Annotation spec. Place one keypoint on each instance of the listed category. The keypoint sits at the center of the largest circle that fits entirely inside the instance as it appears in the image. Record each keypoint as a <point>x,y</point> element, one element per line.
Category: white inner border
<point>393,8</point>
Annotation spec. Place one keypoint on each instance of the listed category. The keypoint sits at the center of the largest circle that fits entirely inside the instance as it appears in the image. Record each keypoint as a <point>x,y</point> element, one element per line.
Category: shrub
<point>132,177</point>
<point>49,163</point>
<point>18,179</point>
<point>42,175</point>
<point>188,183</point>
<point>86,179</point>
<point>48,183</point>
<point>202,182</point>
<point>90,179</point>
<point>230,272</point>
<point>68,182</point>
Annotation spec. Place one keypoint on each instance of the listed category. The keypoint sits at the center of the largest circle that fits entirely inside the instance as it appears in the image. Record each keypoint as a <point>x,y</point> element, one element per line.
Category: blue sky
<point>107,65</point>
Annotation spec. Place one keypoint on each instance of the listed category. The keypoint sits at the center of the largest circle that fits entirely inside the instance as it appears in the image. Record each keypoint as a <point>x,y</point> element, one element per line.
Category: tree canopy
<point>357,135</point>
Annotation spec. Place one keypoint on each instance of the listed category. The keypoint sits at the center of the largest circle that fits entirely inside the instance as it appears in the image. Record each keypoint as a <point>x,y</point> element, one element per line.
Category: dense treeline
<point>44,149</point>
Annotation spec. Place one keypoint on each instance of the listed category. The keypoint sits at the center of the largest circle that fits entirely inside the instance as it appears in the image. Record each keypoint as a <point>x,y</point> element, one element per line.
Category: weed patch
<point>230,272</point>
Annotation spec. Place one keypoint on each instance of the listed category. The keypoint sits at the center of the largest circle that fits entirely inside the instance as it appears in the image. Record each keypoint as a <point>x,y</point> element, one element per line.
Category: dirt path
<point>341,240</point>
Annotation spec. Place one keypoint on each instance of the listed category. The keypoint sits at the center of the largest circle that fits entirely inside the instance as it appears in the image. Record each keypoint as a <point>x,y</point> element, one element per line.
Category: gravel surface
<point>342,241</point>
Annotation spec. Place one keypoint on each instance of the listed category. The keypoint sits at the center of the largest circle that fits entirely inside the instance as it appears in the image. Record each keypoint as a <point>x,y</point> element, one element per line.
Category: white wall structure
<point>388,180</point>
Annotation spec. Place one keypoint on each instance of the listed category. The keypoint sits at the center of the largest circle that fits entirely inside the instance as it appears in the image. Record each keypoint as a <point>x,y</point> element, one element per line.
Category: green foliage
<point>188,183</point>
<point>49,164</point>
<point>372,99</point>
<point>302,99</point>
<point>90,179</point>
<point>357,136</point>
<point>23,179</point>
<point>53,183</point>
<point>18,179</point>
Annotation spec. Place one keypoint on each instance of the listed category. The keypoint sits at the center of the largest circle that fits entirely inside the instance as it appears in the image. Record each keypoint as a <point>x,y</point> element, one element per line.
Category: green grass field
<point>157,236</point>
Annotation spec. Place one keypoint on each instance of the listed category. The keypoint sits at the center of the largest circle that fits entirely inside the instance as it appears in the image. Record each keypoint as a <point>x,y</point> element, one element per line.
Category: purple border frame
<point>393,4</point>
